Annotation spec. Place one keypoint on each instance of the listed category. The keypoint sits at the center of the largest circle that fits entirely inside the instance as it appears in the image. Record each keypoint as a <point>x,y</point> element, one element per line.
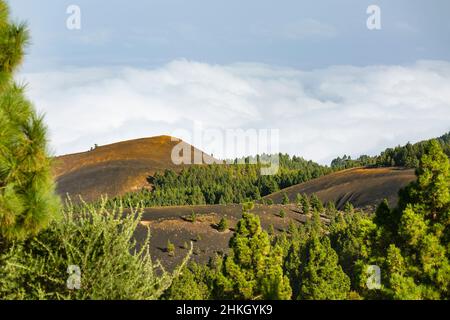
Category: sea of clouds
<point>321,114</point>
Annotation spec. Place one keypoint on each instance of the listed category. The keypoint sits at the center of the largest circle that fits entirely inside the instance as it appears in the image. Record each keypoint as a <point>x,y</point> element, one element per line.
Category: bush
<point>170,248</point>
<point>223,225</point>
<point>194,283</point>
<point>285,199</point>
<point>193,217</point>
<point>101,243</point>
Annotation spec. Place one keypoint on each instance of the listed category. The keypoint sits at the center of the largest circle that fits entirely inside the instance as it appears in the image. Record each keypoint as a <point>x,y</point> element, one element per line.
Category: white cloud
<point>321,113</point>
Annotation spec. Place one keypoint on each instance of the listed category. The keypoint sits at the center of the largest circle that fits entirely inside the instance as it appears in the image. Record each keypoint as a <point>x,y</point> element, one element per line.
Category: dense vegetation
<point>402,156</point>
<point>409,243</point>
<point>99,243</point>
<point>222,184</point>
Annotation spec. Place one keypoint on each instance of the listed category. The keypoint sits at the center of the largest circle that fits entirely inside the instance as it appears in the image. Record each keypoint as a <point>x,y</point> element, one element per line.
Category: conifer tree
<point>285,199</point>
<point>27,200</point>
<point>298,199</point>
<point>322,276</point>
<point>253,268</point>
<point>418,260</point>
<point>305,204</point>
<point>316,204</point>
<point>223,225</point>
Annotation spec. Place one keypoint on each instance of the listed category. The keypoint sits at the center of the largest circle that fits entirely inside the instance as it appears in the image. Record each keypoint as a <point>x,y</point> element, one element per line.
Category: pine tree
<point>322,276</point>
<point>27,200</point>
<point>298,200</point>
<point>331,209</point>
<point>285,199</point>
<point>316,204</point>
<point>223,225</point>
<point>305,204</point>
<point>193,217</point>
<point>253,268</point>
<point>418,259</point>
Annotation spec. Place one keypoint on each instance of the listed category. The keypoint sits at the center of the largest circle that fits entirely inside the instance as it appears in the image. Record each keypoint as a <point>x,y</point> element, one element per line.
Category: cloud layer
<point>320,113</point>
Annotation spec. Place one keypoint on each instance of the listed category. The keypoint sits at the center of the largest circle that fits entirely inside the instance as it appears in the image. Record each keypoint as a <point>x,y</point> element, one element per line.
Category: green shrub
<point>223,225</point>
<point>193,217</point>
<point>170,248</point>
<point>194,283</point>
<point>101,243</point>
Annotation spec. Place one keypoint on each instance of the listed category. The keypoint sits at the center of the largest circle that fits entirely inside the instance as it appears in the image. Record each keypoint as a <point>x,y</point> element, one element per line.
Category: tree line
<point>222,184</point>
<point>407,156</point>
<point>334,260</point>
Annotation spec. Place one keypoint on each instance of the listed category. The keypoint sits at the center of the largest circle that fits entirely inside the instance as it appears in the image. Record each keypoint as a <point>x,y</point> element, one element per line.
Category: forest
<point>331,258</point>
<point>407,156</point>
<point>222,184</point>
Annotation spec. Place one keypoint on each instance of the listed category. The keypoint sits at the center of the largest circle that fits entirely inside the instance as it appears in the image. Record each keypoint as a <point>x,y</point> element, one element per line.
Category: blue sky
<point>303,34</point>
<point>309,68</point>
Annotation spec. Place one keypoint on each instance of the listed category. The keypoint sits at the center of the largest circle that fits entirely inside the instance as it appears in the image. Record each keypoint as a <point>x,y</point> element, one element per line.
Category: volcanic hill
<point>117,168</point>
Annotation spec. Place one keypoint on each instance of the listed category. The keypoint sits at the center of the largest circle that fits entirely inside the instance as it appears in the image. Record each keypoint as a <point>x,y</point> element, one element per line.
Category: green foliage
<point>305,205</point>
<point>322,276</point>
<point>353,236</point>
<point>170,248</point>
<point>311,263</point>
<point>271,230</point>
<point>316,204</point>
<point>99,241</point>
<point>223,225</point>
<point>14,38</point>
<point>253,268</point>
<point>330,210</point>
<point>194,283</point>
<point>248,206</point>
<point>298,199</point>
<point>285,199</point>
<point>193,217</point>
<point>418,230</point>
<point>282,214</point>
<point>402,156</point>
<point>222,184</point>
<point>27,201</point>
<point>383,216</point>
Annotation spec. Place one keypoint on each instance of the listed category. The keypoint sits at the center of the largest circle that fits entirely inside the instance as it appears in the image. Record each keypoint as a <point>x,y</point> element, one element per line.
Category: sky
<point>311,69</point>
